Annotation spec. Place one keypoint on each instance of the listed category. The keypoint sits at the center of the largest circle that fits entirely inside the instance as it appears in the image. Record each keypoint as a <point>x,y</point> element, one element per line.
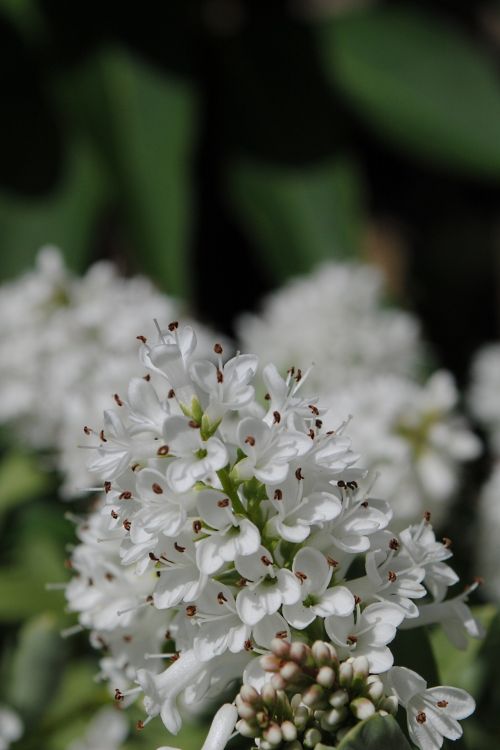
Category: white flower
<point>314,573</point>
<point>194,459</point>
<point>366,635</point>
<point>67,346</point>
<point>421,549</point>
<point>483,392</point>
<point>11,727</point>
<point>227,386</point>
<point>453,615</point>
<point>267,589</point>
<point>433,713</point>
<point>107,730</point>
<point>488,534</point>
<point>334,318</point>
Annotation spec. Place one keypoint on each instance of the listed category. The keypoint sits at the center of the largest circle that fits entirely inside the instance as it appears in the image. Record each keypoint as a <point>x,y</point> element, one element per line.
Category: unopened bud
<point>262,719</point>
<point>326,677</point>
<point>333,718</point>
<point>362,708</point>
<point>270,663</point>
<point>298,652</point>
<point>278,682</point>
<point>280,648</point>
<point>390,704</point>
<point>360,668</point>
<point>339,698</point>
<point>375,691</point>
<point>290,671</point>
<point>289,731</point>
<point>323,653</point>
<point>301,717</point>
<point>268,694</point>
<point>312,737</point>
<point>246,729</point>
<point>345,674</point>
<point>245,710</point>
<point>249,694</point>
<point>273,735</point>
<point>313,695</point>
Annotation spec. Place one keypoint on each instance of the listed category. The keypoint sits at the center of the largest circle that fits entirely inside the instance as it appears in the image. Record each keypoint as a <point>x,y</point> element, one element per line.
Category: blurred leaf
<point>488,695</point>
<point>66,217</point>
<point>143,121</point>
<point>412,649</point>
<point>419,82</point>
<point>461,668</point>
<point>299,216</point>
<point>36,666</point>
<point>20,480</point>
<point>376,733</point>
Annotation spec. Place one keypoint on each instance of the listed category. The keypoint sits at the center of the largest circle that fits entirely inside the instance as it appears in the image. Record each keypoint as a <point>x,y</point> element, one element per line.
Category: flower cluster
<point>368,363</point>
<point>66,347</point>
<point>227,524</point>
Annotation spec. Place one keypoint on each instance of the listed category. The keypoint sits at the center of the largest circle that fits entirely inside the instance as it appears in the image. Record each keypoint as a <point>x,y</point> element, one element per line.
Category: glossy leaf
<point>376,733</point>
<point>419,82</point>
<point>36,666</point>
<point>299,216</point>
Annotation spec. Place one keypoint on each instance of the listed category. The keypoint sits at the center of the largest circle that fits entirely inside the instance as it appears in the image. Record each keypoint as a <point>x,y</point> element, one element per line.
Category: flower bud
<point>290,671</point>
<point>313,695</point>
<point>301,717</point>
<point>312,737</point>
<point>334,717</point>
<point>362,708</point>
<point>280,648</point>
<point>345,674</point>
<point>323,653</point>
<point>390,704</point>
<point>289,731</point>
<point>360,668</point>
<point>278,682</point>
<point>298,652</point>
<point>375,691</point>
<point>247,729</point>
<point>270,663</point>
<point>249,694</point>
<point>268,694</point>
<point>273,735</point>
<point>339,698</point>
<point>245,710</point>
<point>326,677</point>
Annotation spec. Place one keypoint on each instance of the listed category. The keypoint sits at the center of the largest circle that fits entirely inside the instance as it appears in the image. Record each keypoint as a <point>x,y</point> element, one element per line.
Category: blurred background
<point>221,147</point>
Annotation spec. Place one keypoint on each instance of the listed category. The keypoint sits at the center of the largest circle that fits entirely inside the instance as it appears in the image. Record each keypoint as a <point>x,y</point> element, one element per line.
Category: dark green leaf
<point>143,123</point>
<point>375,733</point>
<point>36,666</point>
<point>65,218</point>
<point>418,82</point>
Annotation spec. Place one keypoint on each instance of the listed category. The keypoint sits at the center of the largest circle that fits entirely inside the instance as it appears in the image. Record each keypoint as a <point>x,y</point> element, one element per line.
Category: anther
<point>265,560</point>
<point>248,645</point>
<point>194,424</point>
<point>140,725</point>
<point>267,396</point>
<point>314,410</point>
<point>162,450</point>
<point>101,435</point>
<point>114,514</point>
<point>331,562</point>
<point>146,377</point>
<point>276,417</point>
<point>87,430</point>
<point>442,704</point>
<point>250,440</point>
<point>391,576</point>
<point>352,485</point>
<point>394,544</point>
<point>157,489</point>
<point>109,577</point>
<point>197,526</point>
<point>173,325</point>
<point>298,474</point>
<point>421,717</point>
<point>352,639</point>
<point>311,434</point>
<point>427,516</point>
<point>364,504</point>
<point>221,598</point>
<point>446,542</point>
<point>127,524</point>
<point>298,376</point>
<point>220,376</point>
<point>118,695</point>
<point>281,634</point>
<point>118,399</point>
<point>318,424</point>
<point>218,349</point>
<point>141,338</point>
<point>179,548</point>
<point>357,600</point>
<point>341,484</point>
<point>107,487</point>
<point>190,610</point>
<point>153,557</point>
<point>126,495</point>
<point>278,495</point>
<point>223,503</point>
<point>301,576</point>
<point>171,393</point>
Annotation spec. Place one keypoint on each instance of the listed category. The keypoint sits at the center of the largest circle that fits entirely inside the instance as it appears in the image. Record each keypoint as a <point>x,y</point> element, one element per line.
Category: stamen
<point>73,630</point>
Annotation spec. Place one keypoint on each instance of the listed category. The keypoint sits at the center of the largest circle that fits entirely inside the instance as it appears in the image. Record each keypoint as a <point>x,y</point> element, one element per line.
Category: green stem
<point>230,490</point>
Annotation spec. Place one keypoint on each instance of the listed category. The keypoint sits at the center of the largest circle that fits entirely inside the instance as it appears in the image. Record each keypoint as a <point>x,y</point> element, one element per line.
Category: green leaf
<point>20,480</point>
<point>65,218</point>
<point>36,666</point>
<point>143,122</point>
<point>419,82</point>
<point>299,216</point>
<point>376,733</point>
<point>412,649</point>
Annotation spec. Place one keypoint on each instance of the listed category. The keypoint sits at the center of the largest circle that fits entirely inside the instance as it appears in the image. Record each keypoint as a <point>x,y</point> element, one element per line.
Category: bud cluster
<point>312,699</point>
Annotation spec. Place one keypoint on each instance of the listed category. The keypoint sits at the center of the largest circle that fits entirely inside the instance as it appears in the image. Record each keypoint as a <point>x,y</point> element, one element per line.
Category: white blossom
<point>107,730</point>
<point>11,727</point>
